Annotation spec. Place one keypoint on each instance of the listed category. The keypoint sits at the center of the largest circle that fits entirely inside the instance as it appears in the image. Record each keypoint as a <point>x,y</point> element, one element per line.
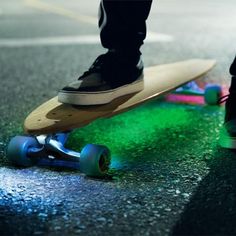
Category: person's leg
<point>233,68</point>
<point>122,31</point>
<point>119,71</point>
<point>230,109</point>
<point>228,132</point>
<point>123,24</point>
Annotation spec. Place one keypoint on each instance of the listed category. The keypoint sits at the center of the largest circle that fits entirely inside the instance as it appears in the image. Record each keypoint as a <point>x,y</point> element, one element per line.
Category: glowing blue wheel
<point>95,160</point>
<point>17,151</point>
<point>212,94</point>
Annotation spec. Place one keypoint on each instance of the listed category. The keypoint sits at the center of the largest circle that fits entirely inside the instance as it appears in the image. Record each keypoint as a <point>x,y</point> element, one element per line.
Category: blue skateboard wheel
<point>17,151</point>
<point>95,160</point>
<point>212,94</point>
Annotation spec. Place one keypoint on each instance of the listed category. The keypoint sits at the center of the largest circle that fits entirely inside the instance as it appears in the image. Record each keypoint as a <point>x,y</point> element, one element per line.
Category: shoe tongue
<point>92,80</point>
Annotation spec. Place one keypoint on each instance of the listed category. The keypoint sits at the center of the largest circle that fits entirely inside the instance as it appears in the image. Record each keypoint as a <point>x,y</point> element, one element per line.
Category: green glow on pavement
<point>154,133</point>
<point>138,129</point>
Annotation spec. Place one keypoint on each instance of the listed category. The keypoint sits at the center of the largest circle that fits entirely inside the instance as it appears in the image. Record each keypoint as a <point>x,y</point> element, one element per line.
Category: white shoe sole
<point>101,97</point>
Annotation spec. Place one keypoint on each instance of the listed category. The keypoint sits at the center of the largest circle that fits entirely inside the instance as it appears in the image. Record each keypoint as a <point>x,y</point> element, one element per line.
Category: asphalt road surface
<point>168,174</point>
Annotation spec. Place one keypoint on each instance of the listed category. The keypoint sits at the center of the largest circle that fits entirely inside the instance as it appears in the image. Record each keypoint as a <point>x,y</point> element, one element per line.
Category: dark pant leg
<point>232,69</point>
<point>123,23</point>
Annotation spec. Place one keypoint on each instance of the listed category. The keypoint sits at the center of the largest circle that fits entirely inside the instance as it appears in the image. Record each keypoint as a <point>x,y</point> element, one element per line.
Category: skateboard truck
<point>49,150</point>
<point>53,146</point>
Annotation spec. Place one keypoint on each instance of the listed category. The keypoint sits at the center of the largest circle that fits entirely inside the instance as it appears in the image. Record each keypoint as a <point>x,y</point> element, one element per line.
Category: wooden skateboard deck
<point>54,117</point>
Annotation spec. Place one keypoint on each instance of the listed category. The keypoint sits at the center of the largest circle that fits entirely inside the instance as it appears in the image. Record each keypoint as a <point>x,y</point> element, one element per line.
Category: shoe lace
<point>223,99</point>
<point>95,67</point>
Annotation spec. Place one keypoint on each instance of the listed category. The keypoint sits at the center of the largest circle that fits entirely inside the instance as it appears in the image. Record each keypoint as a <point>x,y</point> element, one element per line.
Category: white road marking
<point>158,37</point>
<point>60,10</point>
<point>72,40</point>
<point>50,41</point>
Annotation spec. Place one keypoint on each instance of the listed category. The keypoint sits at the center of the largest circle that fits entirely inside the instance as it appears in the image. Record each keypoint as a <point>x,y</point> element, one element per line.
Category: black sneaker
<point>228,131</point>
<point>112,75</point>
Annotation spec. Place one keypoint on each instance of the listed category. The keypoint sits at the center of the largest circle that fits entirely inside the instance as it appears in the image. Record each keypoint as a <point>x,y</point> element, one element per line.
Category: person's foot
<point>112,75</point>
<point>228,131</point>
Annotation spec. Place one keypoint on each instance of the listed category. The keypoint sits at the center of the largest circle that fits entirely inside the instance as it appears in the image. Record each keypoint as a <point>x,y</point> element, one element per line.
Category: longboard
<point>50,123</point>
<point>53,116</point>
